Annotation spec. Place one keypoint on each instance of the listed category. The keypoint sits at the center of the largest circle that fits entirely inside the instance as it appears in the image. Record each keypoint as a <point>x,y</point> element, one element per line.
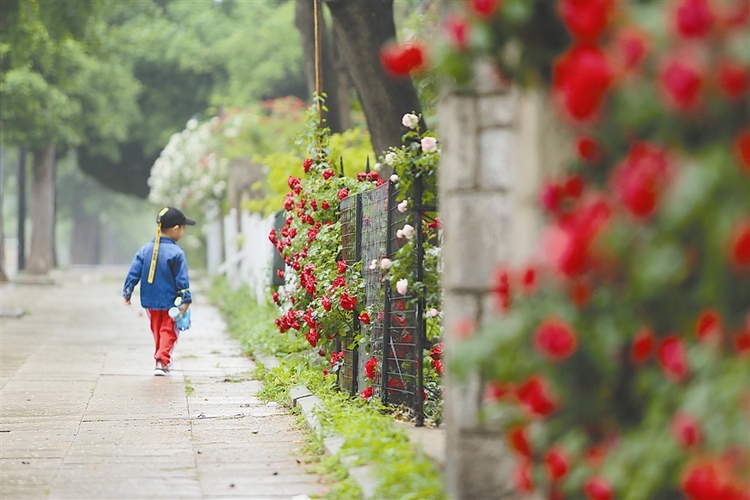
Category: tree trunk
<point>41,253</point>
<point>304,19</point>
<point>3,276</point>
<point>343,86</point>
<point>362,28</point>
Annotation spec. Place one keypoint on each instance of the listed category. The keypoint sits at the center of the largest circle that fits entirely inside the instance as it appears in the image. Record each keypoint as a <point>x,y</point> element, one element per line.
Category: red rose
<point>732,14</point>
<point>686,430</point>
<point>573,186</point>
<point>587,149</point>
<point>734,79</point>
<point>370,367</point>
<point>555,339</point>
<point>586,19</point>
<point>581,78</point>
<point>640,178</point>
<point>742,149</point>
<point>367,393</point>
<point>437,364</point>
<point>437,351</point>
<point>502,288</point>
<point>343,193</point>
<point>328,173</point>
<point>326,302</point>
<point>681,83</point>
<point>742,342</point>
<point>741,244</point>
<point>598,488</point>
<point>347,302</point>
<point>535,397</point>
<point>496,390</point>
<point>631,46</point>
<point>551,195</point>
<point>556,462</point>
<point>484,8</point>
<point>395,385</point>
<point>568,243</point>
<point>710,480</point>
<point>528,280</point>
<point>673,358</point>
<point>400,60</point>
<point>364,318</point>
<point>312,337</point>
<point>272,236</point>
<point>341,266</point>
<point>518,441</point>
<point>708,324</point>
<point>643,344</point>
<point>307,164</point>
<point>522,477</point>
<point>457,30</point>
<point>325,205</point>
<point>693,18</point>
<point>275,297</point>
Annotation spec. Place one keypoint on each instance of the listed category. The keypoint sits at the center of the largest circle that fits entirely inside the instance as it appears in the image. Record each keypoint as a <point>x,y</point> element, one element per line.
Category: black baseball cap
<point>170,217</point>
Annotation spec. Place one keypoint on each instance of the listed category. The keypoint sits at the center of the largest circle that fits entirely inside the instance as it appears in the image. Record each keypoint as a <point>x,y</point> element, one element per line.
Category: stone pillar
<point>495,143</point>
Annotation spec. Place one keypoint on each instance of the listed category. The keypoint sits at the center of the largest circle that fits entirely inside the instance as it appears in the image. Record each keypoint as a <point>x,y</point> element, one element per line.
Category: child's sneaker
<point>160,371</point>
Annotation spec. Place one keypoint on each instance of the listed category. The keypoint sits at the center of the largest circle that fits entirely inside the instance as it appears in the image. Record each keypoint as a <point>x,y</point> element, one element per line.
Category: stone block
<point>496,151</point>
<point>480,467</point>
<point>458,129</point>
<point>497,110</point>
<point>475,239</point>
<point>297,393</point>
<point>309,406</point>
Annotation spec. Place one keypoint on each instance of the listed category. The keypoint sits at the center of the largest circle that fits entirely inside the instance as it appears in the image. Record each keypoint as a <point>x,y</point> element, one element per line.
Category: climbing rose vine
<point>619,361</point>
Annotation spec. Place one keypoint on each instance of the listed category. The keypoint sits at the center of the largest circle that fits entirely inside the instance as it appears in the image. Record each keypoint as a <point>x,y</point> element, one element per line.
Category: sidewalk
<point>82,416</point>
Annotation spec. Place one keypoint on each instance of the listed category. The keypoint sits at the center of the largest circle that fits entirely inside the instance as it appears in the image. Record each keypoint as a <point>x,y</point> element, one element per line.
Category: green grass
<point>367,427</point>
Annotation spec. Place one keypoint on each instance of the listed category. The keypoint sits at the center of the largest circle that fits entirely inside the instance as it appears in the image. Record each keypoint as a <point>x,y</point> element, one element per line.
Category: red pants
<point>165,335</point>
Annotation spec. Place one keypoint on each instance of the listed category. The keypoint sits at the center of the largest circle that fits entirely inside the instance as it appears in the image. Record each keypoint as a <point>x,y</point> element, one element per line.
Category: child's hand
<point>184,307</point>
<point>127,301</point>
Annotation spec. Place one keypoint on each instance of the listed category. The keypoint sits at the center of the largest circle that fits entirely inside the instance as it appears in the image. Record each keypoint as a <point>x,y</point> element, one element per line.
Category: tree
<point>361,29</point>
<point>60,78</point>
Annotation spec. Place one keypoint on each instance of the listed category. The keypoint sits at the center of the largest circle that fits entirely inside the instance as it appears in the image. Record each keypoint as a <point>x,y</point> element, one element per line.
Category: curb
<point>309,403</point>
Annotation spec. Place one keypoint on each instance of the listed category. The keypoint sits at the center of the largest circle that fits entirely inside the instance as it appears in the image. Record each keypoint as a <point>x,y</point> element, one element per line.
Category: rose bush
<point>618,363</point>
<point>323,293</point>
<point>415,165</point>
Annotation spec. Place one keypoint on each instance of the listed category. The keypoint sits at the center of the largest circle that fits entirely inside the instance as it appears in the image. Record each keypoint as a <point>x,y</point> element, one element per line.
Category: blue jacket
<point>170,279</point>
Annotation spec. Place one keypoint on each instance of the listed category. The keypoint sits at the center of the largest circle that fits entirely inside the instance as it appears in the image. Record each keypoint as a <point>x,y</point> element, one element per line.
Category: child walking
<point>161,268</point>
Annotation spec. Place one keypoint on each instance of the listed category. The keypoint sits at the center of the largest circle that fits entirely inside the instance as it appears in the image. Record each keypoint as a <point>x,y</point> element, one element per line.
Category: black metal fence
<point>396,333</point>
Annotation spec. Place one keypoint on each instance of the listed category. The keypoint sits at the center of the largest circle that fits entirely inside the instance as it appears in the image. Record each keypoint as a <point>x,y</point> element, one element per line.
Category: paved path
<point>82,416</point>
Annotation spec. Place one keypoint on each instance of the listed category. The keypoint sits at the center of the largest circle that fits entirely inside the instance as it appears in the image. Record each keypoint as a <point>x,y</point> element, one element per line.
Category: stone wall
<point>496,145</point>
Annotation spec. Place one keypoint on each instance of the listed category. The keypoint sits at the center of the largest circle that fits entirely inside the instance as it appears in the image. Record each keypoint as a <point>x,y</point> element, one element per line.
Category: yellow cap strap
<point>152,269</point>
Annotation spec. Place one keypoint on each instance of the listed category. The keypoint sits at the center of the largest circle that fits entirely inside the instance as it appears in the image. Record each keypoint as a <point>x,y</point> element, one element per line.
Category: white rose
<point>433,313</point>
<point>373,265</point>
<point>394,178</point>
<point>389,158</point>
<point>402,286</point>
<point>377,167</point>
<point>429,144</point>
<point>402,206</point>
<point>385,263</point>
<point>410,120</point>
<point>408,231</point>
<point>400,233</point>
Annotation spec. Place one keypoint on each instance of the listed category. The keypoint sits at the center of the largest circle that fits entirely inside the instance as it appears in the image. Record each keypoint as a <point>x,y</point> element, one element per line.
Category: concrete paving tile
<point>85,397</point>
<point>126,488</point>
<point>239,486</point>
